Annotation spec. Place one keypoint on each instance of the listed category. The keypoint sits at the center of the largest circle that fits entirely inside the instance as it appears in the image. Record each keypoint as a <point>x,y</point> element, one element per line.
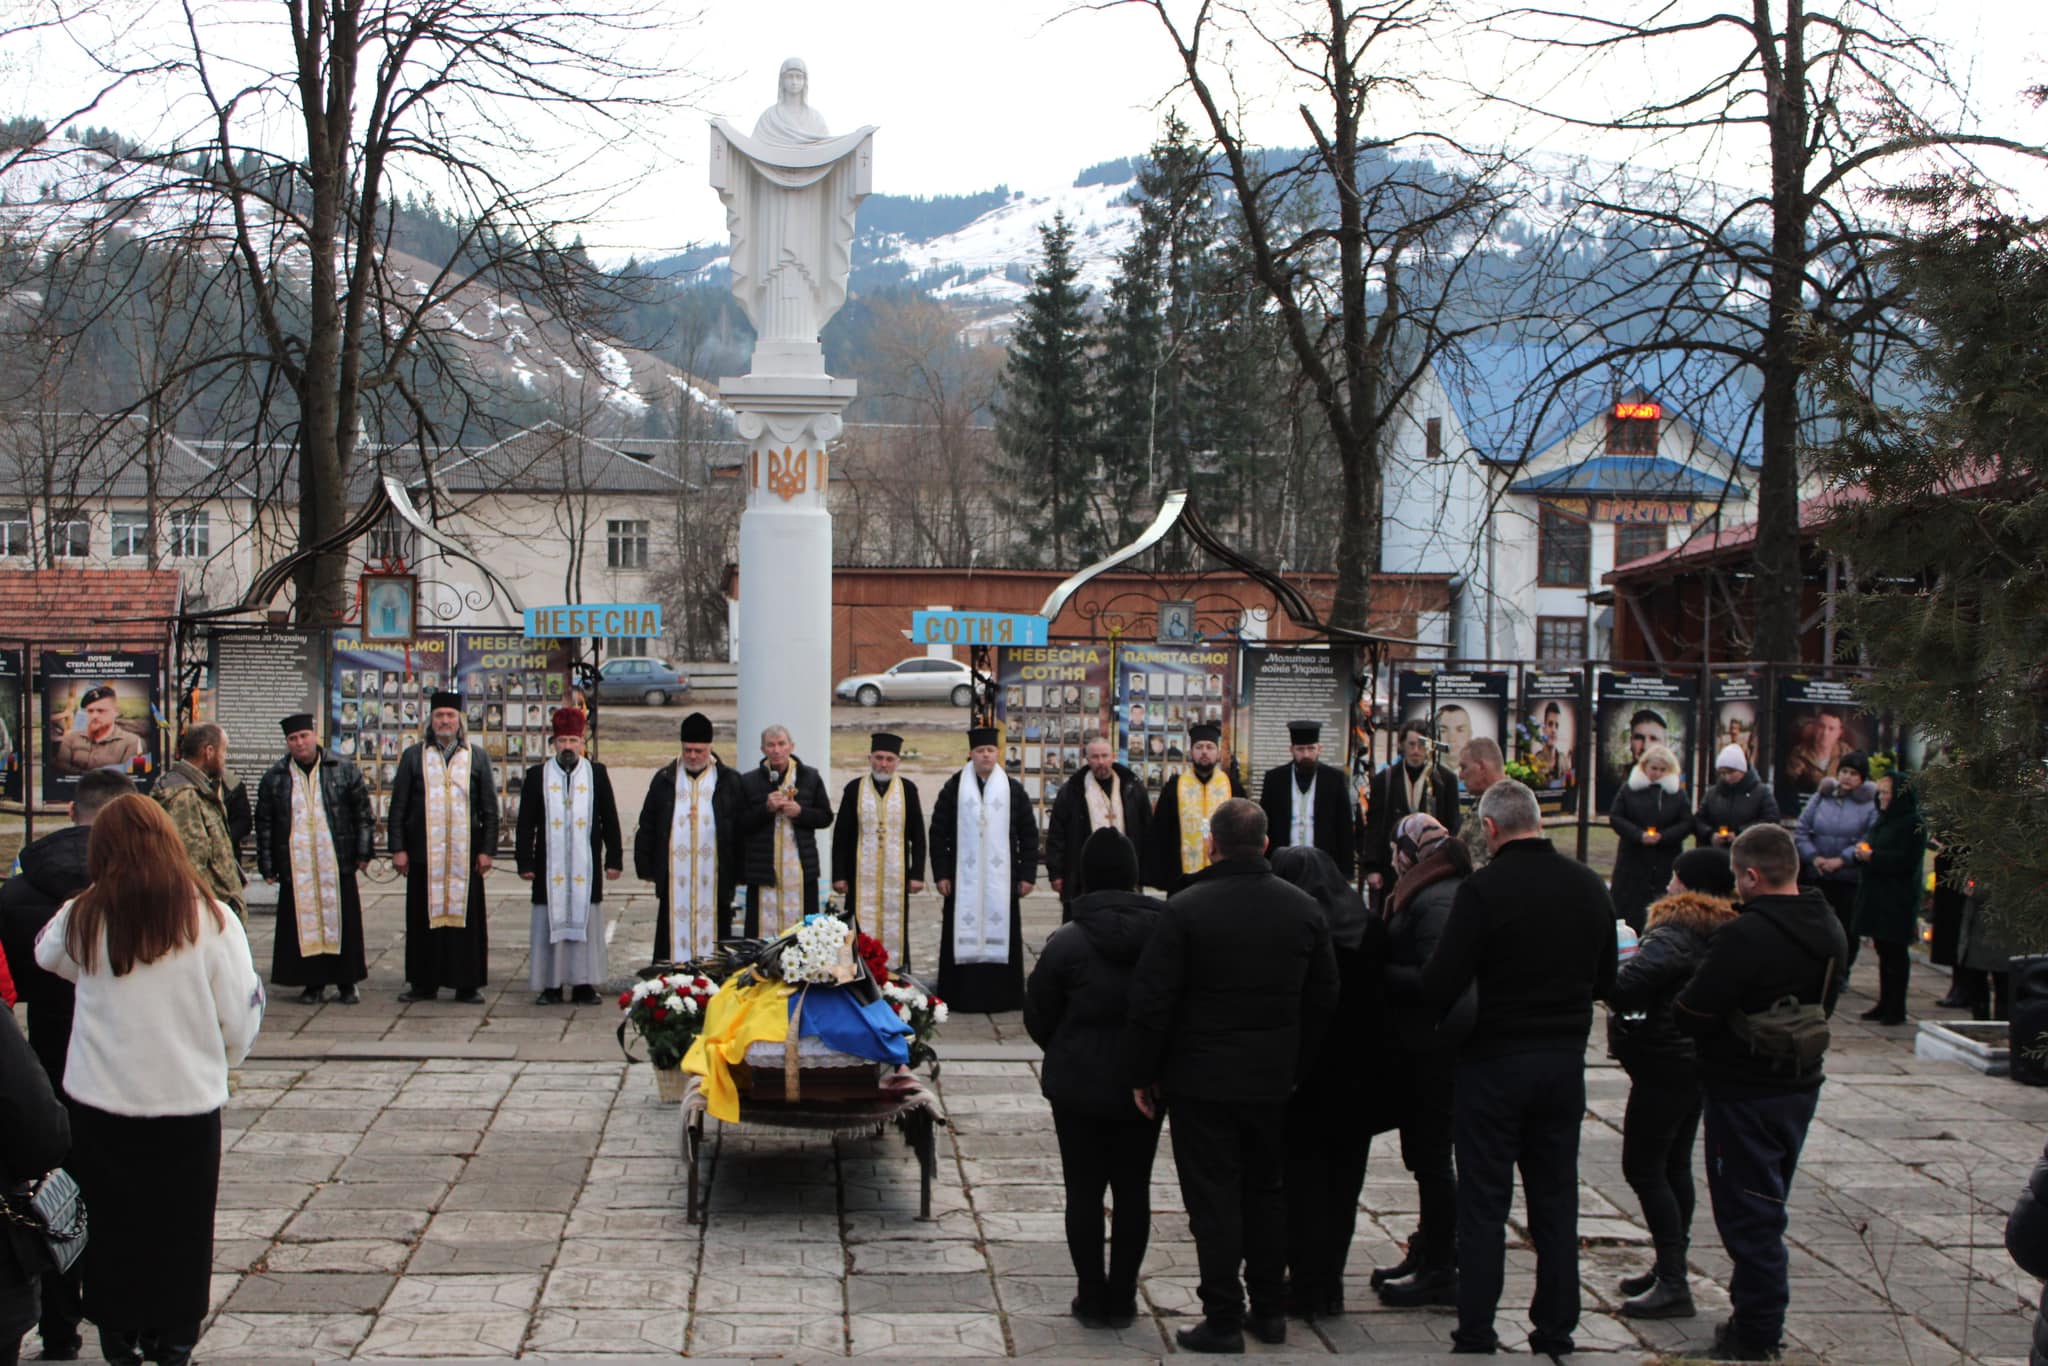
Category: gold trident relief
<point>788,473</point>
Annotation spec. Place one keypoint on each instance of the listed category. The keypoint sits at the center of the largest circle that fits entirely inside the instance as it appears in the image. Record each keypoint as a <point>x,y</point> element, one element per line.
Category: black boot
<point>1209,1336</point>
<point>1437,1285</point>
<point>1667,1299</point>
<point>1632,1286</point>
<point>1410,1263</point>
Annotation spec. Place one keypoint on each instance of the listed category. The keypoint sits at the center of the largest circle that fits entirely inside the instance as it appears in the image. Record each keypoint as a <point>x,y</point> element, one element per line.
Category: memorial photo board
<point>1735,716</point>
<point>1819,722</point>
<point>377,704</point>
<point>510,687</point>
<point>1049,700</point>
<point>117,728</point>
<point>1459,706</point>
<point>1281,685</point>
<point>1552,720</point>
<point>261,677</point>
<point>1637,710</point>
<point>1161,690</point>
<point>14,723</point>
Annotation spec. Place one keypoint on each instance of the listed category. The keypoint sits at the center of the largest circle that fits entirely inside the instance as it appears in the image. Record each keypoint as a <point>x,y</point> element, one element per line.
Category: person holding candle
<point>1835,821</point>
<point>1734,803</point>
<point>1651,818</point>
<point>1889,894</point>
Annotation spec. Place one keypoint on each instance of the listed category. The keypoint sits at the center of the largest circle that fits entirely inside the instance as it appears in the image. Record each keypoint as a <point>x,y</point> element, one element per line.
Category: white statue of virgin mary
<point>790,192</point>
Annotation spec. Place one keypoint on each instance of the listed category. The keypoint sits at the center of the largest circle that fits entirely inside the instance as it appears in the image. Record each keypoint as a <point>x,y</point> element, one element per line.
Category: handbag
<point>50,1213</point>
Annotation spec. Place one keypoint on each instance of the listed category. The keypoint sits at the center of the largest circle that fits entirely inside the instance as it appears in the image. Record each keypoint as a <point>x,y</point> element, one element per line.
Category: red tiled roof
<point>88,606</point>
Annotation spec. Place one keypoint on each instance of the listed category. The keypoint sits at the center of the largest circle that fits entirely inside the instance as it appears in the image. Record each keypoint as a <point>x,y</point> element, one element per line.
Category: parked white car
<point>922,679</point>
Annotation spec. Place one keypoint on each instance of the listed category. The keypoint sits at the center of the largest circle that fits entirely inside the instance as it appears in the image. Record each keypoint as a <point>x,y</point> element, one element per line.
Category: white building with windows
<point>1528,491</point>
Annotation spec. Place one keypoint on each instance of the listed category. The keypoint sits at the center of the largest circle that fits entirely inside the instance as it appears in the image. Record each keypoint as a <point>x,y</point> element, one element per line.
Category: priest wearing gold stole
<point>687,845</point>
<point>313,834</point>
<point>1180,823</point>
<point>984,857</point>
<point>443,831</point>
<point>568,830</point>
<point>783,807</point>
<point>878,847</point>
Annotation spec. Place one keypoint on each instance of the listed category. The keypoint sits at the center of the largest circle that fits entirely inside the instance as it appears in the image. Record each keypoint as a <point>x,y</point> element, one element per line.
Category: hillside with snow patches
<point>64,194</point>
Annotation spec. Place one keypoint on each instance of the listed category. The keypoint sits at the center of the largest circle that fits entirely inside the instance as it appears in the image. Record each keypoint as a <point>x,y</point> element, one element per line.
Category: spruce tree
<point>1043,416</point>
<point>1950,549</point>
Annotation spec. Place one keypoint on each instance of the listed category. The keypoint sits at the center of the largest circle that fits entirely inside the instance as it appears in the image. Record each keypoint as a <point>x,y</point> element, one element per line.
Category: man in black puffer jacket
<point>1784,942</point>
<point>1534,931</point>
<point>1228,1003</point>
<point>1074,1008</point>
<point>52,871</point>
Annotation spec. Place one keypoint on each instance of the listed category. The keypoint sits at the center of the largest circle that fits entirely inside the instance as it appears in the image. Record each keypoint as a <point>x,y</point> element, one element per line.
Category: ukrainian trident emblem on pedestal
<point>788,473</point>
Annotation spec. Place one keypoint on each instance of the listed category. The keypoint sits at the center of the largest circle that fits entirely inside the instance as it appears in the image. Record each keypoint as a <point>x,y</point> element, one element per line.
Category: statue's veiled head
<point>794,81</point>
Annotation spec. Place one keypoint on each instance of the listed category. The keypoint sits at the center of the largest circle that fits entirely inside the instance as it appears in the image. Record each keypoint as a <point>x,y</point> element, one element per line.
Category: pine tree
<point>1950,549</point>
<point>1043,417</point>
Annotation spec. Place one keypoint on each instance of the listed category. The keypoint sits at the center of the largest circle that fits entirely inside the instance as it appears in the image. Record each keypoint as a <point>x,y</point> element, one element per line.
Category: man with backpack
<point>1758,1009</point>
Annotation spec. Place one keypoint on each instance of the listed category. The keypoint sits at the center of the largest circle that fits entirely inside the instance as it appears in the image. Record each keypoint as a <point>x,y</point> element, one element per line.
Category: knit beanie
<point>1706,870</point>
<point>1109,862</point>
<point>1857,760</point>
<point>1731,756</point>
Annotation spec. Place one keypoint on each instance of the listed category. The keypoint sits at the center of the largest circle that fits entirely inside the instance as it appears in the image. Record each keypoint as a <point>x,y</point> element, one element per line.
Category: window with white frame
<point>131,533</point>
<point>191,534</point>
<point>624,647</point>
<point>70,536</point>
<point>14,532</point>
<point>625,545</point>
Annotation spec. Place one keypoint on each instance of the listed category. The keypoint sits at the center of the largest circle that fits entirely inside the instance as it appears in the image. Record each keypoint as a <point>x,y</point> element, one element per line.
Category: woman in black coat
<point>1651,819</point>
<point>35,1134</point>
<point>1662,1121</point>
<point>1074,1007</point>
<point>1423,1059</point>
<point>1339,1103</point>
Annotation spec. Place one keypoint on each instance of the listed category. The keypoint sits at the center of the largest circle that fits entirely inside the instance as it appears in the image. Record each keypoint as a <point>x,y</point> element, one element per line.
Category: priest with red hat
<point>568,831</point>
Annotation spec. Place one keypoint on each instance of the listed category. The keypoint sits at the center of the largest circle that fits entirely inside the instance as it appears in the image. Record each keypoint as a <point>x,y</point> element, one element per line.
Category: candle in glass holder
<point>1724,832</point>
<point>1651,832</point>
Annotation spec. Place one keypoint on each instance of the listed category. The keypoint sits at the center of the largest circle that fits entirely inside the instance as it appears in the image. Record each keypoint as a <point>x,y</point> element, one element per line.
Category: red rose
<point>625,1000</point>
<point>660,1014</point>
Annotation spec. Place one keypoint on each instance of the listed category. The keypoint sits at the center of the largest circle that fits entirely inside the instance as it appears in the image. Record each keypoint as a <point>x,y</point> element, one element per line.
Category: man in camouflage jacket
<point>193,796</point>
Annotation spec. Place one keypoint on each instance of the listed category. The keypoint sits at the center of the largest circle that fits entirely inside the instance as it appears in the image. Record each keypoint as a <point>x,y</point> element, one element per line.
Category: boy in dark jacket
<point>1785,942</point>
<point>1663,1116</point>
<point>1228,1002</point>
<point>1074,1008</point>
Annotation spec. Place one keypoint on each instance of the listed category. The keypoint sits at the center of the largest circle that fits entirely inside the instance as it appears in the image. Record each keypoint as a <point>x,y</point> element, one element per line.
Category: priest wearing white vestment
<point>984,848</point>
<point>568,832</point>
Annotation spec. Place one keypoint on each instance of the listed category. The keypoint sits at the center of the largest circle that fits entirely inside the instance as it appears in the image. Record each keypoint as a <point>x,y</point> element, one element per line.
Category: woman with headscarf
<point>1337,1107</point>
<point>1651,819</point>
<point>1662,1121</point>
<point>1889,893</point>
<point>1429,866</point>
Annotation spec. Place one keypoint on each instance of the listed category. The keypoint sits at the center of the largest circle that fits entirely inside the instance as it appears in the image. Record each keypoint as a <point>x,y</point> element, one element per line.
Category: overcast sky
<point>969,94</point>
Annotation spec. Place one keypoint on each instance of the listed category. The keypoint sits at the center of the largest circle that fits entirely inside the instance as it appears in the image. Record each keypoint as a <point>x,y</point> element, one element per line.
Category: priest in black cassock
<point>878,847</point>
<point>688,845</point>
<point>313,834</point>
<point>783,806</point>
<point>1178,838</point>
<point>1107,796</point>
<point>568,846</point>
<point>1309,802</point>
<point>1414,783</point>
<point>443,830</point>
<point>984,858</point>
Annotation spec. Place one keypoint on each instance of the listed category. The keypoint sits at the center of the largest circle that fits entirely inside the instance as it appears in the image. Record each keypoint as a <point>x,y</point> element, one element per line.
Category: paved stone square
<point>431,1181</point>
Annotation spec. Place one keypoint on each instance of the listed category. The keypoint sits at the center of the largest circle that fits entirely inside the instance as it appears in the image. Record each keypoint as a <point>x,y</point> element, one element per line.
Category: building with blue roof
<point>1528,472</point>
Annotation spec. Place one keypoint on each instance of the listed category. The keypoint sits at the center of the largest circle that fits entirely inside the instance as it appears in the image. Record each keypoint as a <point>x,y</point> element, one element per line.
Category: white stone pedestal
<point>785,606</point>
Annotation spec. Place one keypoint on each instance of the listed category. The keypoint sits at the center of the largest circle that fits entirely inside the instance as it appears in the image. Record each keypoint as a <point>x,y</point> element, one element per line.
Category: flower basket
<point>666,1009</point>
<point>670,1083</point>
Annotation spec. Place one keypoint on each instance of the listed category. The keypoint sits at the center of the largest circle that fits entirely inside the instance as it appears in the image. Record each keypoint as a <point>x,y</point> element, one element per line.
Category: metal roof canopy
<point>1179,510</point>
